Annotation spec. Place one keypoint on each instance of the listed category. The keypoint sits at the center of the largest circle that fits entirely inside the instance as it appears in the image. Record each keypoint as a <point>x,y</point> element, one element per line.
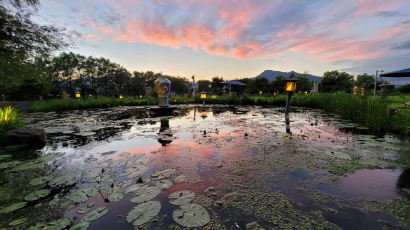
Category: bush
<point>404,88</point>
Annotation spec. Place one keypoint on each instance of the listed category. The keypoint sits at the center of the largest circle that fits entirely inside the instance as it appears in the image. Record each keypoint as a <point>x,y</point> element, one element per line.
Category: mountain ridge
<point>271,75</point>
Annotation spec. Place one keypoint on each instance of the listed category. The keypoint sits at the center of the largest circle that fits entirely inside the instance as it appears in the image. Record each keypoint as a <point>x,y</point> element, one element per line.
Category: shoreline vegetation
<point>377,115</point>
<point>10,119</point>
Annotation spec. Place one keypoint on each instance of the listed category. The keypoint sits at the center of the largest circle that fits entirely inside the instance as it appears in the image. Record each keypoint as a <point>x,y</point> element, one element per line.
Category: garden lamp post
<point>355,90</point>
<point>78,93</point>
<point>260,92</point>
<point>362,91</point>
<point>375,82</point>
<point>203,97</point>
<point>290,89</point>
<point>121,97</point>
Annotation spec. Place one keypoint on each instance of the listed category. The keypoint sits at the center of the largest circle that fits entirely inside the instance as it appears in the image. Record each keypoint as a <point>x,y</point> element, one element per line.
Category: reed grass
<point>10,118</point>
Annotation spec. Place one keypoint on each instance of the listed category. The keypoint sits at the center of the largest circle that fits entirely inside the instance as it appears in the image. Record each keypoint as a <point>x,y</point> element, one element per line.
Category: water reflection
<point>165,136</point>
<point>287,122</point>
<point>403,182</point>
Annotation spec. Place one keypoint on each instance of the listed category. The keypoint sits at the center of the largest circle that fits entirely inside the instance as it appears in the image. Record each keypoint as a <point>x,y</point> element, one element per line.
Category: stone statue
<point>163,88</point>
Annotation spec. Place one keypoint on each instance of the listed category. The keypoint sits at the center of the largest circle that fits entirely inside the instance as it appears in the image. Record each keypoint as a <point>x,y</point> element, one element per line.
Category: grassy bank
<point>369,112</point>
<point>10,118</point>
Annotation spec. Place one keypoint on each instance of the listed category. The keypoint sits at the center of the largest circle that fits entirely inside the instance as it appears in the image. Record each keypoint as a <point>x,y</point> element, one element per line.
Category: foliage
<point>303,84</point>
<point>404,88</point>
<point>366,81</point>
<point>203,85</point>
<point>335,81</point>
<point>10,118</point>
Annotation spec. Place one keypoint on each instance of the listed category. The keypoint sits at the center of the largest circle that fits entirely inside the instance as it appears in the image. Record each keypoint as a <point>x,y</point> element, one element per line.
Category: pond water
<point>237,168</point>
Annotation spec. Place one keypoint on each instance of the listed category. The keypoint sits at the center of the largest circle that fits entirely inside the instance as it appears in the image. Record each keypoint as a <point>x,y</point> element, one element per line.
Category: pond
<point>212,167</point>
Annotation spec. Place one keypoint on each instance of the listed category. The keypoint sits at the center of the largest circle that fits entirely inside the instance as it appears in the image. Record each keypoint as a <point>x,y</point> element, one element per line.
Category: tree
<point>334,81</point>
<point>366,81</point>
<point>303,84</point>
<point>278,84</point>
<point>203,85</point>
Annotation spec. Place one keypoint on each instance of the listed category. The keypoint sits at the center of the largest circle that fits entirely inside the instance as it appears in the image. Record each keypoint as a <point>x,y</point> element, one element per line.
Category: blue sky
<point>235,39</point>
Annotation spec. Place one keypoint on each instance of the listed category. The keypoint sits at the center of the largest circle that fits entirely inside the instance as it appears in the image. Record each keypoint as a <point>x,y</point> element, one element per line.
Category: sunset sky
<point>238,38</point>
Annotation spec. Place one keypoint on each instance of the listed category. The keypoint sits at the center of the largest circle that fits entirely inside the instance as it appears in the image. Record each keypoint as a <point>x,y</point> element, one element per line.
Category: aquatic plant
<point>10,118</point>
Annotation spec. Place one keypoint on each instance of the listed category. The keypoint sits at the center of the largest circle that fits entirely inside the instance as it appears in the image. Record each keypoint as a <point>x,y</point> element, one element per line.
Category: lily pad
<point>39,180</point>
<point>124,154</point>
<point>5,156</point>
<point>78,197</point>
<point>134,188</point>
<point>55,225</point>
<point>180,178</point>
<point>163,174</point>
<point>96,214</point>
<point>18,221</point>
<point>68,179</point>
<point>113,197</point>
<point>145,194</point>
<point>8,164</point>
<point>13,207</point>
<point>83,210</point>
<point>136,171</point>
<point>191,215</point>
<point>144,212</point>
<point>108,153</point>
<point>37,195</point>
<point>181,197</point>
<point>164,184</point>
<point>81,226</point>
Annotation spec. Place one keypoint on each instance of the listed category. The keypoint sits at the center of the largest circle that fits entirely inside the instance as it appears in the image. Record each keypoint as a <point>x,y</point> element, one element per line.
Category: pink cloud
<point>225,28</point>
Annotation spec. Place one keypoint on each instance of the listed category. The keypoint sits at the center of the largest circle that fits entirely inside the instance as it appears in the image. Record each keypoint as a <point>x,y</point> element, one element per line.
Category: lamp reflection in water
<point>165,136</point>
<point>287,122</point>
<point>204,114</point>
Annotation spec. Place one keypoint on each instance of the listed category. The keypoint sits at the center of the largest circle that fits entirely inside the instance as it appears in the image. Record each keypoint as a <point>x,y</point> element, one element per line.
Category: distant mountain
<point>271,75</point>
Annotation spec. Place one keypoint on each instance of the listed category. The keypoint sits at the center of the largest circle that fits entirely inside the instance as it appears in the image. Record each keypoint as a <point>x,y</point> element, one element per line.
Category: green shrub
<point>10,118</point>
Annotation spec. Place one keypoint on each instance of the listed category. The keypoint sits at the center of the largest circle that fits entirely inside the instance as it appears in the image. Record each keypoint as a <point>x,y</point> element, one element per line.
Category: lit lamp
<point>290,89</point>
<point>140,96</point>
<point>121,97</point>
<point>203,114</point>
<point>355,90</point>
<point>362,91</point>
<point>203,97</point>
<point>260,92</point>
<point>77,93</point>
<point>306,93</point>
<point>274,94</point>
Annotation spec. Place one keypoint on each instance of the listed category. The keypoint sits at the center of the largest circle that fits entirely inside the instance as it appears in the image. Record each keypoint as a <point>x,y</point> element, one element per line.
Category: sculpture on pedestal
<point>163,88</point>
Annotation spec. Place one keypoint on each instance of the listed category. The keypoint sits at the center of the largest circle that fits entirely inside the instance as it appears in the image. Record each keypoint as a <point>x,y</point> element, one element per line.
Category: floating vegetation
<point>145,194</point>
<point>96,214</point>
<point>191,215</point>
<point>163,174</point>
<point>39,180</point>
<point>78,197</point>
<point>81,226</point>
<point>181,197</point>
<point>180,179</point>
<point>55,225</point>
<point>13,207</point>
<point>133,190</point>
<point>113,197</point>
<point>124,154</point>
<point>108,153</point>
<point>67,179</point>
<point>164,184</point>
<point>37,195</point>
<point>136,171</point>
<point>9,164</point>
<point>18,221</point>
<point>38,162</point>
<point>144,212</point>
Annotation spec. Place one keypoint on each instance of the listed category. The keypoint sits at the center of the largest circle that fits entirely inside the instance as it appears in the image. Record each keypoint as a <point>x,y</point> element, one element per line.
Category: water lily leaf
<point>68,179</point>
<point>181,197</point>
<point>37,195</point>
<point>191,215</point>
<point>83,210</point>
<point>145,194</point>
<point>96,214</point>
<point>144,212</point>
<point>18,221</point>
<point>124,154</point>
<point>81,226</point>
<point>5,156</point>
<point>78,197</point>
<point>163,174</point>
<point>13,207</point>
<point>108,153</point>
<point>180,179</point>
<point>55,225</point>
<point>164,184</point>
<point>9,164</point>
<point>90,192</point>
<point>132,190</point>
<point>115,197</point>
<point>39,180</point>
<point>135,171</point>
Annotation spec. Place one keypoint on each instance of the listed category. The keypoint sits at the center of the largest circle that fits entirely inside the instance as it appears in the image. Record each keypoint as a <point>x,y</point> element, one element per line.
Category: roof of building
<point>234,82</point>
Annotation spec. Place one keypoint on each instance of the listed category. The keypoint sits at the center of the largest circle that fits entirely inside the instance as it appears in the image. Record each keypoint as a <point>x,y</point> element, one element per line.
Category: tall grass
<point>10,118</point>
<point>88,103</point>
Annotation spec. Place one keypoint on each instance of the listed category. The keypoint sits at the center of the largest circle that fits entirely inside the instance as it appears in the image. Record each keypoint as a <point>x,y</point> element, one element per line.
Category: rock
<point>254,226</point>
<point>27,136</point>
